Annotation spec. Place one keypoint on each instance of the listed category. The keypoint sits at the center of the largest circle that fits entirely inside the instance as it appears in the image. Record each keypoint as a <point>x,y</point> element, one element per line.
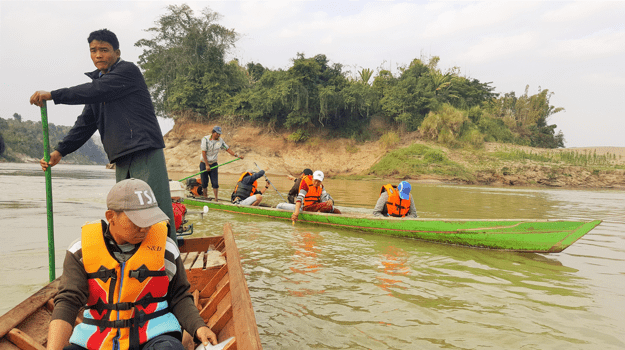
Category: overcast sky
<point>574,49</point>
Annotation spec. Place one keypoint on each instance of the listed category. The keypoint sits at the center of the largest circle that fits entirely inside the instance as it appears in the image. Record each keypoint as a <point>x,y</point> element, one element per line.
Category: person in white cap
<point>211,144</point>
<point>313,196</point>
<point>128,276</point>
<point>395,201</point>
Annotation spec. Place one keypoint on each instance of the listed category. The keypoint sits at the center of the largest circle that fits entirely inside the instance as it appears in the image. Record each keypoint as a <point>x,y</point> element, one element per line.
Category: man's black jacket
<point>119,106</point>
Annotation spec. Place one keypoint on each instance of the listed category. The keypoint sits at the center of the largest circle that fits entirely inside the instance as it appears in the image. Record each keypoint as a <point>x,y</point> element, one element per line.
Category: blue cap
<point>217,129</point>
<point>404,190</point>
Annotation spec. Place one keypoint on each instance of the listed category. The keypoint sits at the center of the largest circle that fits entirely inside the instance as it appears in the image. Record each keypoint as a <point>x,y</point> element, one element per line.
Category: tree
<point>184,64</point>
<point>17,117</point>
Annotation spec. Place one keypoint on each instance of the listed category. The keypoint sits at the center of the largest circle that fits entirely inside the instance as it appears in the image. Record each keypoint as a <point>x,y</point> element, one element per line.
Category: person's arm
<point>412,212</point>
<point>295,214</point>
<point>380,204</point>
<point>183,307</point>
<point>229,150</point>
<point>39,97</point>
<point>262,191</point>
<point>122,80</point>
<point>300,199</point>
<point>55,158</point>
<point>73,294</point>
<point>59,332</point>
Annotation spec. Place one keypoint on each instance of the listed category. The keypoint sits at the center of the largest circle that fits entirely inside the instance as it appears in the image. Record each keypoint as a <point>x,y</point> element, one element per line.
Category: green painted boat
<point>538,236</point>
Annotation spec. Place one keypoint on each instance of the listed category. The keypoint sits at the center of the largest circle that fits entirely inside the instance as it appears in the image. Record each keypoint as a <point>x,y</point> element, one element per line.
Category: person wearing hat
<point>118,105</point>
<point>127,274</point>
<point>246,191</point>
<point>313,196</point>
<point>395,201</point>
<point>297,181</point>
<point>211,144</point>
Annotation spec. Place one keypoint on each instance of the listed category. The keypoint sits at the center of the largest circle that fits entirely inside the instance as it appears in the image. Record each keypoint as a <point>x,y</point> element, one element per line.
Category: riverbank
<point>495,164</point>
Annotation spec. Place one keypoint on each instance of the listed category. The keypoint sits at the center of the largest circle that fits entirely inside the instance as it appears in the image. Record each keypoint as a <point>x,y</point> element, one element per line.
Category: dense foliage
<point>186,71</point>
<point>25,138</point>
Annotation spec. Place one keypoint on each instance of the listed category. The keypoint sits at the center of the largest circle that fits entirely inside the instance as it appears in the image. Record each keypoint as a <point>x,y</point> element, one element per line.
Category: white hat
<point>318,175</point>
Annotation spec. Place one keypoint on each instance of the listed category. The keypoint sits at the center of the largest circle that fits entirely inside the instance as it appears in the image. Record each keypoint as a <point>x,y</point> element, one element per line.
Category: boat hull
<point>541,236</point>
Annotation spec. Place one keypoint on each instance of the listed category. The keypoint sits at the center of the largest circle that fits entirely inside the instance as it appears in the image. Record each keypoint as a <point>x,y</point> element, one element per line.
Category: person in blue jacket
<point>118,105</point>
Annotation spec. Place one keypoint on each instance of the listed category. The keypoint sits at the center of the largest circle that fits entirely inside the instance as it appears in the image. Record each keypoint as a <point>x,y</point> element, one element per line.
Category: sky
<point>576,50</point>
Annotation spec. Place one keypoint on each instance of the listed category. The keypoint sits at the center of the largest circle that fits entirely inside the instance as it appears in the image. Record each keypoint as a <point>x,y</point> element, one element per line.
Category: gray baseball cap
<point>217,129</point>
<point>135,198</point>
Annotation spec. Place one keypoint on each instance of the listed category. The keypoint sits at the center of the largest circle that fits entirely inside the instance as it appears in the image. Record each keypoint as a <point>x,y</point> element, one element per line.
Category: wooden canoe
<point>220,293</point>
<point>537,236</point>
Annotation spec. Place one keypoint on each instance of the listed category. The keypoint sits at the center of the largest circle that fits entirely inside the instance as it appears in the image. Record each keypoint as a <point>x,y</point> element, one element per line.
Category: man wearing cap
<point>395,201</point>
<point>314,197</point>
<point>297,181</point>
<point>127,274</point>
<point>211,144</point>
<point>246,191</point>
<point>118,105</point>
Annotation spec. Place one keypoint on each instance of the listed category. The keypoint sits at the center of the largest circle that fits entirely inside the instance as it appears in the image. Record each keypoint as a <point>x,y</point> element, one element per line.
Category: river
<point>324,288</point>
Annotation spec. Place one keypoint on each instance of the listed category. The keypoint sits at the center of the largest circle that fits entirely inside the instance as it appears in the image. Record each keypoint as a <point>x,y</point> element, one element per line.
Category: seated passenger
<point>293,192</point>
<point>129,277</point>
<point>314,197</point>
<point>246,191</point>
<point>395,201</point>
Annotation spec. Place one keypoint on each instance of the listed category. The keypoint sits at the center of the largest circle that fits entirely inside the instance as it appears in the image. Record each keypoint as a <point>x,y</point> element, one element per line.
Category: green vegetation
<point>574,158</point>
<point>25,138</point>
<point>419,159</point>
<point>185,69</point>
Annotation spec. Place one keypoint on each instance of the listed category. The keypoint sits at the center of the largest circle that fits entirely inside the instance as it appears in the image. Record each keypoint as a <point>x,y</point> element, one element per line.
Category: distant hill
<point>23,143</point>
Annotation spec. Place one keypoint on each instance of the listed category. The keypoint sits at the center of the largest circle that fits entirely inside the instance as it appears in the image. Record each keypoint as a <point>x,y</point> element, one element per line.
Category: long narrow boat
<point>217,285</point>
<point>539,236</point>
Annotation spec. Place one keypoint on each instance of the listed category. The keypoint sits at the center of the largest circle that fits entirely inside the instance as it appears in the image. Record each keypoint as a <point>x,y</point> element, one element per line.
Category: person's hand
<point>240,157</point>
<point>294,216</point>
<point>205,335</point>
<point>39,97</point>
<point>290,177</point>
<point>331,202</point>
<point>55,158</point>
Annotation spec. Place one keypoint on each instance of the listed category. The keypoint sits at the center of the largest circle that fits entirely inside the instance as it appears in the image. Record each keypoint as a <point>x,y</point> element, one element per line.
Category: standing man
<point>314,197</point>
<point>129,278</point>
<point>118,105</point>
<point>395,201</point>
<point>211,144</point>
<point>297,181</point>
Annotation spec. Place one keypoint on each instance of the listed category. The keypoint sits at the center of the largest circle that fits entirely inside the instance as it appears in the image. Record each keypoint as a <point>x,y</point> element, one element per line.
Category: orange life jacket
<point>395,206</point>
<point>242,190</point>
<point>127,303</point>
<point>314,193</point>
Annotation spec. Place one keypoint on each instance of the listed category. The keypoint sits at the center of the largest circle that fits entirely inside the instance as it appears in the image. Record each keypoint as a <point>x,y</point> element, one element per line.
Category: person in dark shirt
<point>246,191</point>
<point>118,105</point>
<point>294,191</point>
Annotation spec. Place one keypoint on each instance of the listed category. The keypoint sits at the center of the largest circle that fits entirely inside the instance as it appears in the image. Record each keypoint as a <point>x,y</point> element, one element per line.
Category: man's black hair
<point>104,35</point>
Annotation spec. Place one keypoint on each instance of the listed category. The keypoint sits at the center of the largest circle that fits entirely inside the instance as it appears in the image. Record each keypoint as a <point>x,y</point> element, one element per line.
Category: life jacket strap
<point>148,299</point>
<point>138,321</point>
<point>143,272</point>
<point>103,274</point>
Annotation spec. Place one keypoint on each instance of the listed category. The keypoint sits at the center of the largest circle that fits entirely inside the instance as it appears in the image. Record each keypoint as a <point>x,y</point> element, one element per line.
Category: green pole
<point>46,157</point>
<point>216,166</point>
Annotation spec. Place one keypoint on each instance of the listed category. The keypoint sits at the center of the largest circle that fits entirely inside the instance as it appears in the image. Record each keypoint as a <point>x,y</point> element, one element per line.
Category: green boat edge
<point>532,236</point>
